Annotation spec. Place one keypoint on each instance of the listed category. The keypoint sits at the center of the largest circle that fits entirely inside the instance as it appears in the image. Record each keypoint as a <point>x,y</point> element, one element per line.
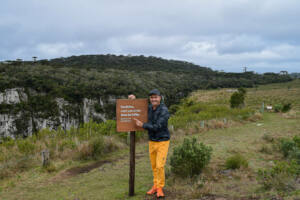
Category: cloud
<point>59,49</point>
<point>219,34</point>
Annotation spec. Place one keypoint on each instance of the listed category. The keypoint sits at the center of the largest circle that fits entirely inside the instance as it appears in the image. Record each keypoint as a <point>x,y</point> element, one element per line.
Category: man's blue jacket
<point>157,124</point>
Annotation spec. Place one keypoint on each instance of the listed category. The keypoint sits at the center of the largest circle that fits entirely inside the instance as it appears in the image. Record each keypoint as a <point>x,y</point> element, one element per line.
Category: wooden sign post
<point>126,111</point>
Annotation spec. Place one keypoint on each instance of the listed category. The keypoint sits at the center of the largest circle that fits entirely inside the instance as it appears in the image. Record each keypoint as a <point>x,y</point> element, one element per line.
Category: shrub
<point>296,139</point>
<point>283,108</point>
<point>25,146</point>
<point>295,155</point>
<point>8,142</point>
<point>97,145</point>
<point>49,168</point>
<point>278,107</point>
<point>108,127</point>
<point>268,138</point>
<point>255,117</point>
<point>290,148</point>
<point>236,162</point>
<point>66,144</point>
<point>190,158</point>
<point>173,108</point>
<point>287,146</point>
<point>237,98</point>
<point>84,151</point>
<point>281,177</point>
<point>265,149</point>
<point>91,149</point>
<point>286,107</point>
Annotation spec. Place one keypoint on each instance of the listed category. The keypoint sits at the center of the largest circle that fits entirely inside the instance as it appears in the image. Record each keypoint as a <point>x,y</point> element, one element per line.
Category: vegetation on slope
<point>94,76</point>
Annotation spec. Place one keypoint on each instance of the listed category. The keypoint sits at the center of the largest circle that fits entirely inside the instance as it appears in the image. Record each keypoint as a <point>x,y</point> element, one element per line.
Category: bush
<point>173,108</point>
<point>290,148</point>
<point>108,127</point>
<point>237,98</point>
<point>66,144</point>
<point>49,168</point>
<point>91,149</point>
<point>97,145</point>
<point>281,177</point>
<point>296,139</point>
<point>8,142</point>
<point>190,158</point>
<point>287,146</point>
<point>295,155</point>
<point>286,107</point>
<point>25,146</point>
<point>283,108</point>
<point>278,107</point>
<point>236,162</point>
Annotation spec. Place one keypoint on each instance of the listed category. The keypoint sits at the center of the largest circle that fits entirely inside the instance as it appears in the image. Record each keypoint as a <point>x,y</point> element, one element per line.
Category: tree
<point>237,98</point>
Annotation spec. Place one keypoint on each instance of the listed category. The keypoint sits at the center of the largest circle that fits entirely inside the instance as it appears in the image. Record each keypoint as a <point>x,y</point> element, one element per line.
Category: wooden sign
<point>127,110</point>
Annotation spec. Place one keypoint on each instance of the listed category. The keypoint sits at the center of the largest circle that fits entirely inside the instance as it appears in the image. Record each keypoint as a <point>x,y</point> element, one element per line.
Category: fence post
<point>202,124</point>
<point>262,109</point>
<point>45,157</point>
<point>128,138</point>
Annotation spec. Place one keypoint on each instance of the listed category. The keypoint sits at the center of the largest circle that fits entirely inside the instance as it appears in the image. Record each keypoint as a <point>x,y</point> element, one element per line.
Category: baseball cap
<point>154,91</point>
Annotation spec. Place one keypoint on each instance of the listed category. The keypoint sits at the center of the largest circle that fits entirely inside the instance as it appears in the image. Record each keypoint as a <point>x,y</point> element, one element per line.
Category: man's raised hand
<point>131,96</point>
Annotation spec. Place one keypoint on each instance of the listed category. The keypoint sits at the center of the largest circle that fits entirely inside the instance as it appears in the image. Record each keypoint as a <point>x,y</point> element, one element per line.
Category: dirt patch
<point>87,168</point>
<point>79,170</point>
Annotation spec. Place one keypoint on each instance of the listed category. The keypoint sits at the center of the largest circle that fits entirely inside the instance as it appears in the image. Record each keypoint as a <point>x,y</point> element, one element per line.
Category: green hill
<point>94,76</point>
<point>70,91</point>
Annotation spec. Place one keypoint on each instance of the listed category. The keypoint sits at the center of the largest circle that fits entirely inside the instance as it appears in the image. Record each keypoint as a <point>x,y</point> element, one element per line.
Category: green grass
<point>269,94</point>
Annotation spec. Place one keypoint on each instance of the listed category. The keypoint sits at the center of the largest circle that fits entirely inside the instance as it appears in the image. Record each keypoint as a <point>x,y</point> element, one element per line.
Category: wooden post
<point>202,124</point>
<point>128,138</point>
<point>171,128</point>
<point>262,108</point>
<point>45,157</point>
<point>132,163</point>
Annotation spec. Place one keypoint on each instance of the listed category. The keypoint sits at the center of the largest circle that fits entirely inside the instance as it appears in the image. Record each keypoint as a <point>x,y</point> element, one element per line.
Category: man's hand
<point>132,96</point>
<point>138,122</point>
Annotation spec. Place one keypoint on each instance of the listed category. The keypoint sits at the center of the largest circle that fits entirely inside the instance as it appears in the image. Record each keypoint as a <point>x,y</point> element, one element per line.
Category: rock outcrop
<point>19,122</point>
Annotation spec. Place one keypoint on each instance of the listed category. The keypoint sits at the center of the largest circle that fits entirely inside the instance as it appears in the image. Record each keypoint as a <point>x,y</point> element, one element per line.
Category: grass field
<point>269,94</point>
<point>107,178</point>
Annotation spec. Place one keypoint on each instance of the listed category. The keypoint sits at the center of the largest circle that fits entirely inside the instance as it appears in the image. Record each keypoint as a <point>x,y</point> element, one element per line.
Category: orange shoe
<point>159,193</point>
<point>152,190</point>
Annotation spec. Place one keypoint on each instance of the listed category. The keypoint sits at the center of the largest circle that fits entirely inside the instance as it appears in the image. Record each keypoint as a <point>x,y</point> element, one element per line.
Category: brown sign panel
<point>127,110</point>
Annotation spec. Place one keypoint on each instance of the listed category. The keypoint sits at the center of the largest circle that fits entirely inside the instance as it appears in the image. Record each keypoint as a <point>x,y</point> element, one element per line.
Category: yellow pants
<point>158,155</point>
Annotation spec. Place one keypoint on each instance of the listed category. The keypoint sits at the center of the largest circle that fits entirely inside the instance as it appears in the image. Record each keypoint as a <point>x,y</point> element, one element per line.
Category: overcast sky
<point>263,35</point>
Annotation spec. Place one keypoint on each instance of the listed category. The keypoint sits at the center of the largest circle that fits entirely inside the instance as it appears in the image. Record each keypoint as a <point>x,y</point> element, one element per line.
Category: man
<point>159,139</point>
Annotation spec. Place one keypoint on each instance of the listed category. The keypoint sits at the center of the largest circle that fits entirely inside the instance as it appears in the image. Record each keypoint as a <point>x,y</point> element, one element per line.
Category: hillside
<point>256,137</point>
<point>69,91</point>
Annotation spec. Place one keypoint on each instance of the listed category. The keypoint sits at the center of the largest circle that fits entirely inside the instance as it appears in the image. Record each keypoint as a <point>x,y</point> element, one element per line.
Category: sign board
<point>128,109</point>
